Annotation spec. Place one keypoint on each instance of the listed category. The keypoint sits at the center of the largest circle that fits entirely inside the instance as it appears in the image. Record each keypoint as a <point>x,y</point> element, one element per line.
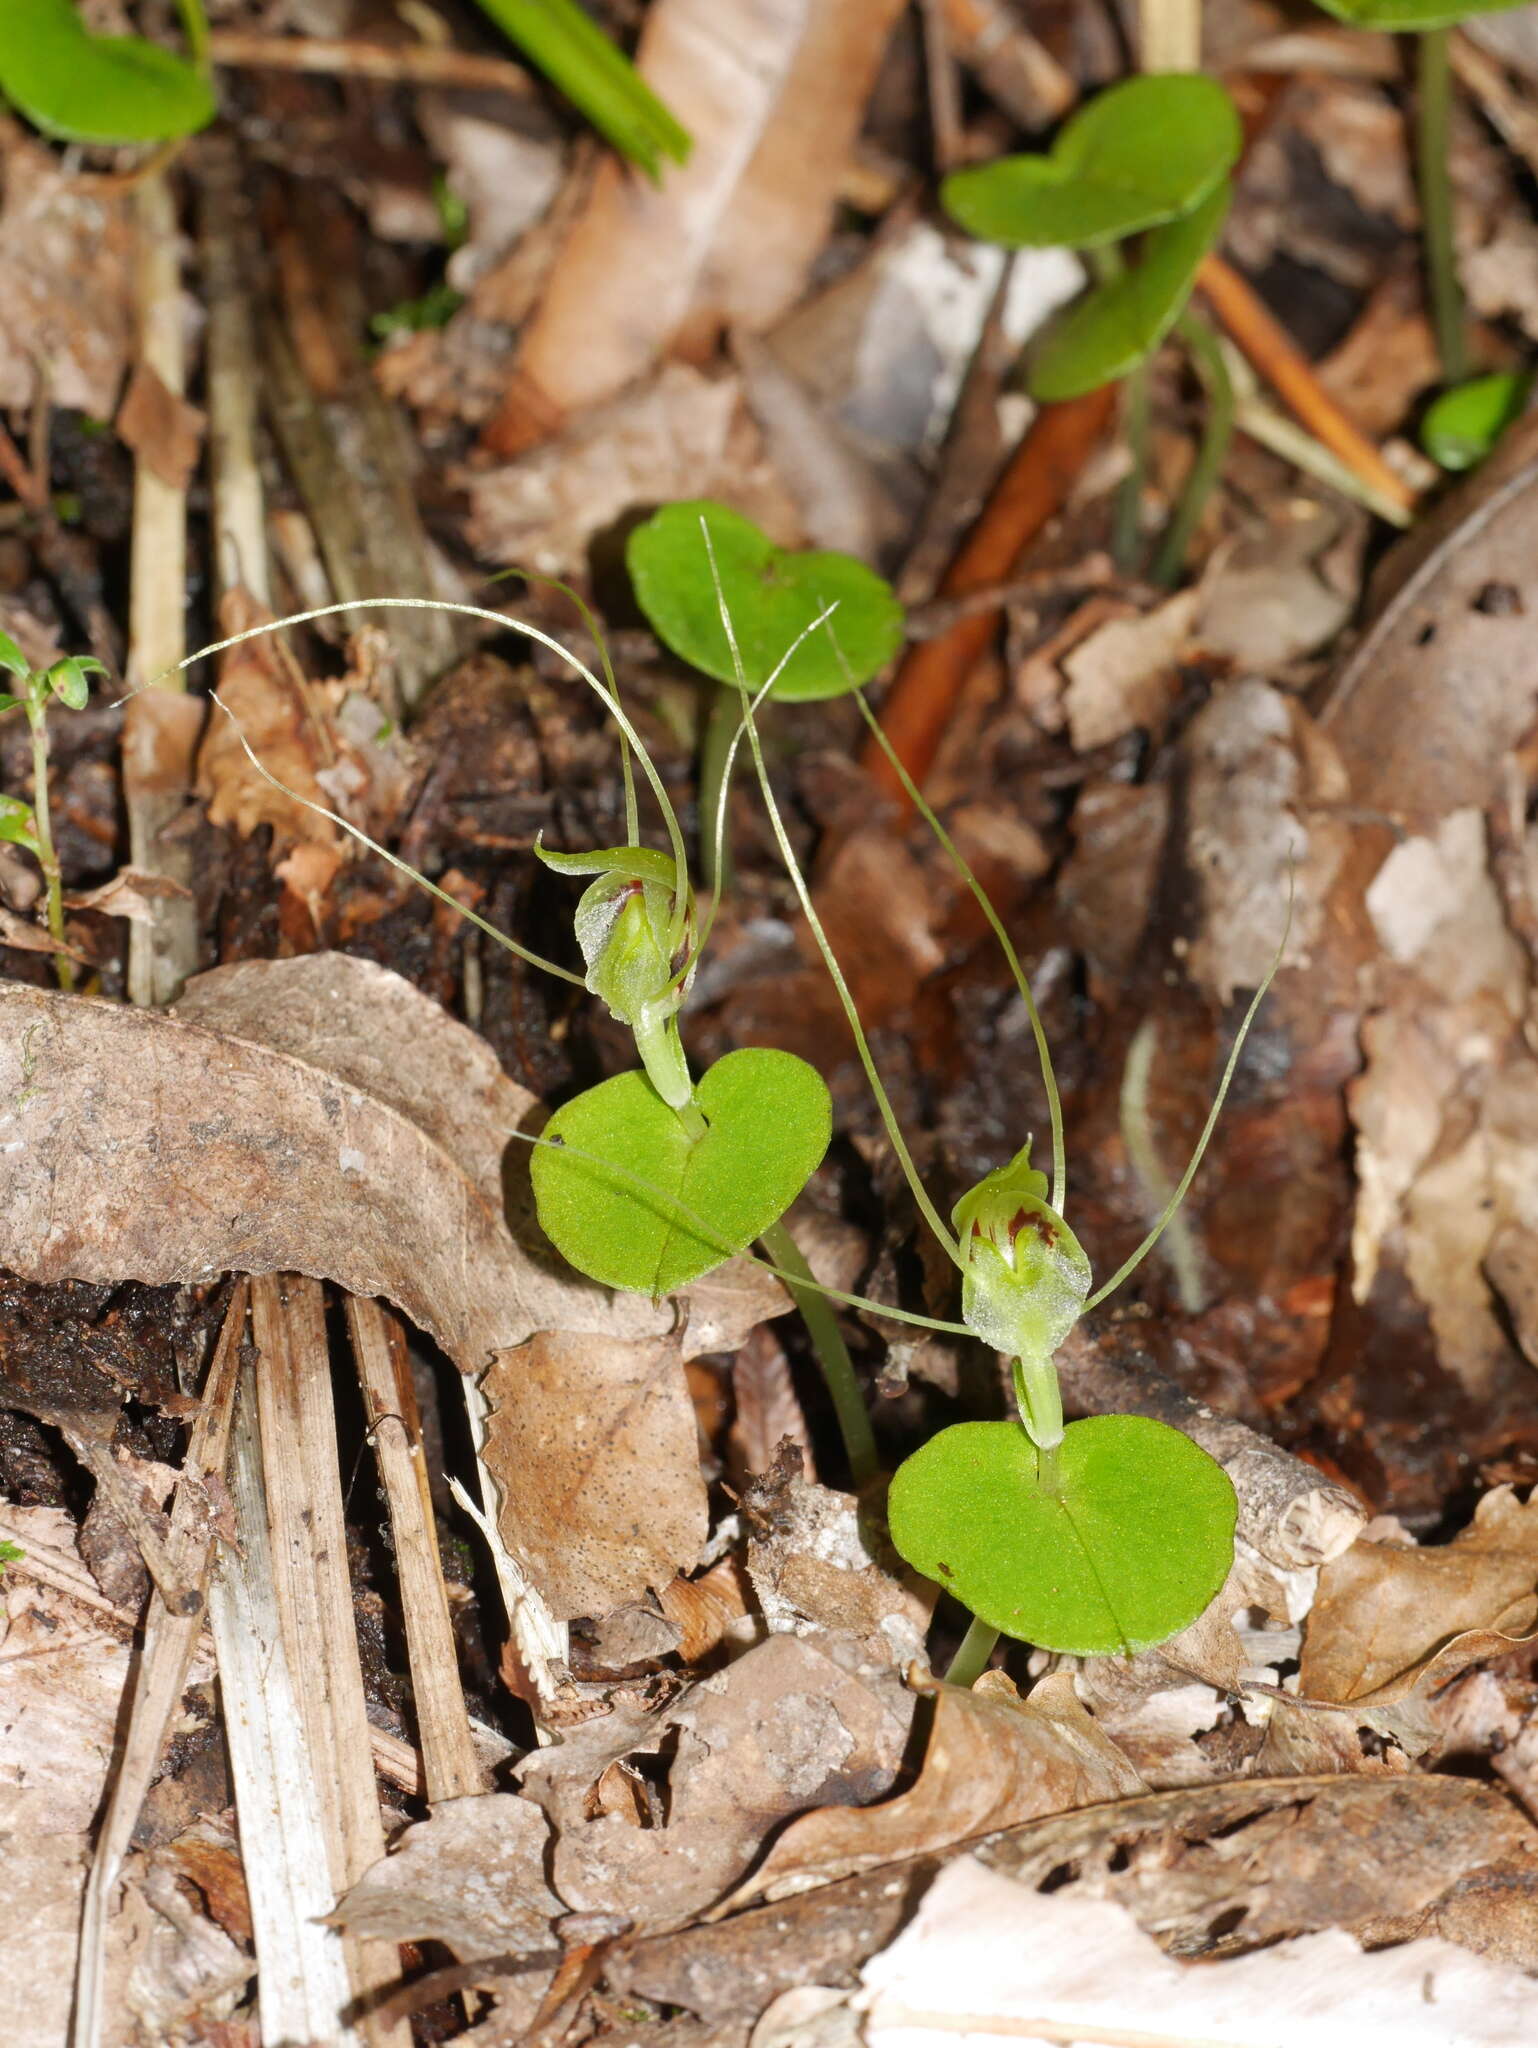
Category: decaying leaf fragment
<point>981,1945</point>
<point>316,1115</point>
<point>594,1446</point>
<point>783,1728</point>
<point>992,1761</point>
<point>1389,1619</point>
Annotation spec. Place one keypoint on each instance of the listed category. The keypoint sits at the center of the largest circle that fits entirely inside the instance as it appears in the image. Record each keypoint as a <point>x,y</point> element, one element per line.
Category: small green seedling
<point>651,1179</point>
<point>1464,424</point>
<point>1431,23</point>
<point>1095,1537</point>
<point>30,825</point>
<point>596,76</point>
<point>1092,1537</point>
<point>77,87</point>
<point>1149,157</point>
<point>772,596</point>
<point>10,1553</point>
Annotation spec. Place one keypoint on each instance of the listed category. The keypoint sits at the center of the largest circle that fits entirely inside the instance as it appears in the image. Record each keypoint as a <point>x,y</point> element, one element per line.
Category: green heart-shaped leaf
<point>1128,1549</point>
<point>771,596</point>
<point>674,1206</point>
<point>1395,17</point>
<point>1105,335</point>
<point>85,88</point>
<point>1142,153</point>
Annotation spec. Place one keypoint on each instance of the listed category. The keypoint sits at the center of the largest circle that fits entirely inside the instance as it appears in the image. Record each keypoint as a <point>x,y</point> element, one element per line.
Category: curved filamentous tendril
<point>718,828</point>
<point>506,623</point>
<point>403,867</point>
<point>830,960</point>
<point>590,621</point>
<point>1182,1186</point>
<point>963,868</point>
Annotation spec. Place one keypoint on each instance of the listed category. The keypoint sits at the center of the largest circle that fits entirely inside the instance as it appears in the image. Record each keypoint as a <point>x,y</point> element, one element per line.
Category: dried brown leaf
<point>706,1608</point>
<point>1125,675</point>
<point>679,434</point>
<point>1389,1620</point>
<point>773,93</point>
<point>54,234</point>
<point>992,1761</point>
<point>593,1445</point>
<point>162,428</point>
<point>316,1115</point>
<point>280,719</point>
<point>782,1729</point>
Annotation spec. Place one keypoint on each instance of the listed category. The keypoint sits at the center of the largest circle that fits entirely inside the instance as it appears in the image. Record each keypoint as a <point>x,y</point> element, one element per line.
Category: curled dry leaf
<point>162,428</point>
<point>471,1875</point>
<point>1389,1620</point>
<point>705,1610</point>
<point>317,1115</point>
<point>992,1761</point>
<point>594,1448</point>
<point>781,1729</point>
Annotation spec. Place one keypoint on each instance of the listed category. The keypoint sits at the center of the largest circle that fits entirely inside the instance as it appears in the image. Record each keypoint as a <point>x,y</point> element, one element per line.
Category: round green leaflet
<point>769,1119</point>
<point>1105,334</point>
<point>772,596</point>
<point>85,88</point>
<point>1118,1546</point>
<point>1142,153</point>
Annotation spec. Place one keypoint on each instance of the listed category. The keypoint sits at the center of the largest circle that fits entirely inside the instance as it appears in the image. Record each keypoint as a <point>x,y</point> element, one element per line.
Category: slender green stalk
<point>971,1660</point>
<point>899,1143</point>
<point>195,29</point>
<point>47,857</point>
<point>832,1353</point>
<point>1040,1399</point>
<point>1126,520</point>
<point>1433,111</point>
<point>959,862</point>
<point>718,751</point>
<point>596,76</point>
<point>1216,435</point>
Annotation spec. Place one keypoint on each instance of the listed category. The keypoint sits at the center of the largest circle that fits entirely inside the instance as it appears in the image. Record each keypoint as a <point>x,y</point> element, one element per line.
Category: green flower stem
<point>1433,109</point>
<point>1126,522</point>
<point>832,1352</point>
<point>1040,1399</point>
<point>1216,435</point>
<point>723,717</point>
<point>971,1660</point>
<point>662,1055</point>
<point>47,859</point>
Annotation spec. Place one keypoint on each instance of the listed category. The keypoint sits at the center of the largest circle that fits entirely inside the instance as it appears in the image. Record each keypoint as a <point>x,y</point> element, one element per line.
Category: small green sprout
<point>1431,22</point>
<point>773,596</point>
<point>10,1553</point>
<point>1462,426</point>
<point>30,825</point>
<point>596,76</point>
<point>77,87</point>
<point>1099,1537</point>
<point>1148,158</point>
